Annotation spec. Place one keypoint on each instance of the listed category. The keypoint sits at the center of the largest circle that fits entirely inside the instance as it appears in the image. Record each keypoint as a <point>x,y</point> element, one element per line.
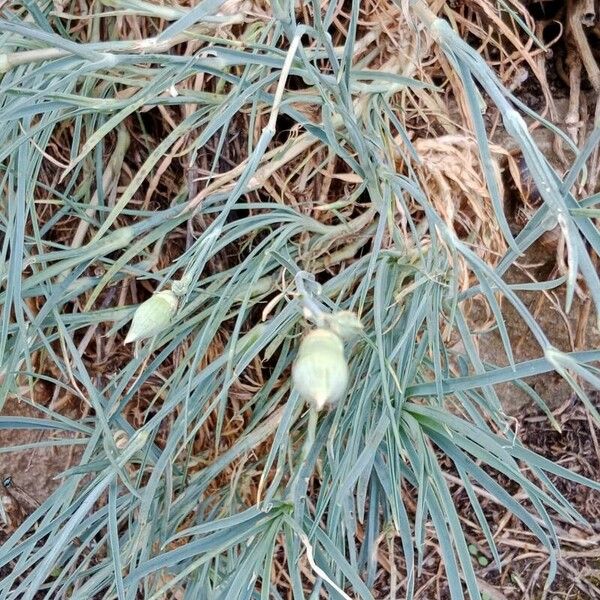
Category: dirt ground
<point>35,471</point>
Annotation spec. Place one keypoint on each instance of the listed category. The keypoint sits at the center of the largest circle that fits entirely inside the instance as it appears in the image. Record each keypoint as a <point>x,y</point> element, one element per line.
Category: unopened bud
<point>345,324</point>
<point>152,316</point>
<point>320,372</point>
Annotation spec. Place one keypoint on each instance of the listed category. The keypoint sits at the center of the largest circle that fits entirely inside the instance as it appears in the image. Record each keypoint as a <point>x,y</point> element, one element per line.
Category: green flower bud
<point>320,372</point>
<point>152,316</point>
<point>345,324</point>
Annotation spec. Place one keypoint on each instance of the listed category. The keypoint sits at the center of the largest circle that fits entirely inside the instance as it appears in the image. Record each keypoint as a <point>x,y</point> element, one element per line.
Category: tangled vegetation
<point>253,157</point>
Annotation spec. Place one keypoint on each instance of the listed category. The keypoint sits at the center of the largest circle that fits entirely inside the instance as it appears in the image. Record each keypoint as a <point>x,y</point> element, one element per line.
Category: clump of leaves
<point>234,146</point>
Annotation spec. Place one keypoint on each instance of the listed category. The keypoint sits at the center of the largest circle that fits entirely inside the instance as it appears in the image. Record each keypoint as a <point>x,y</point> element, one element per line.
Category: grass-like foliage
<point>235,146</point>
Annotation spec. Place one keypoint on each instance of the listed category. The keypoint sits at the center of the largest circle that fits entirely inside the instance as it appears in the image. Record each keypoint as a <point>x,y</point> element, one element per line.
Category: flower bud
<point>345,324</point>
<point>152,316</point>
<point>320,372</point>
<point>180,286</point>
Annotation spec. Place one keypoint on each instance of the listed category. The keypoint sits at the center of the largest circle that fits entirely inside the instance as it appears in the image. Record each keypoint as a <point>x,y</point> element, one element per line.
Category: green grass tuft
<point>198,147</point>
